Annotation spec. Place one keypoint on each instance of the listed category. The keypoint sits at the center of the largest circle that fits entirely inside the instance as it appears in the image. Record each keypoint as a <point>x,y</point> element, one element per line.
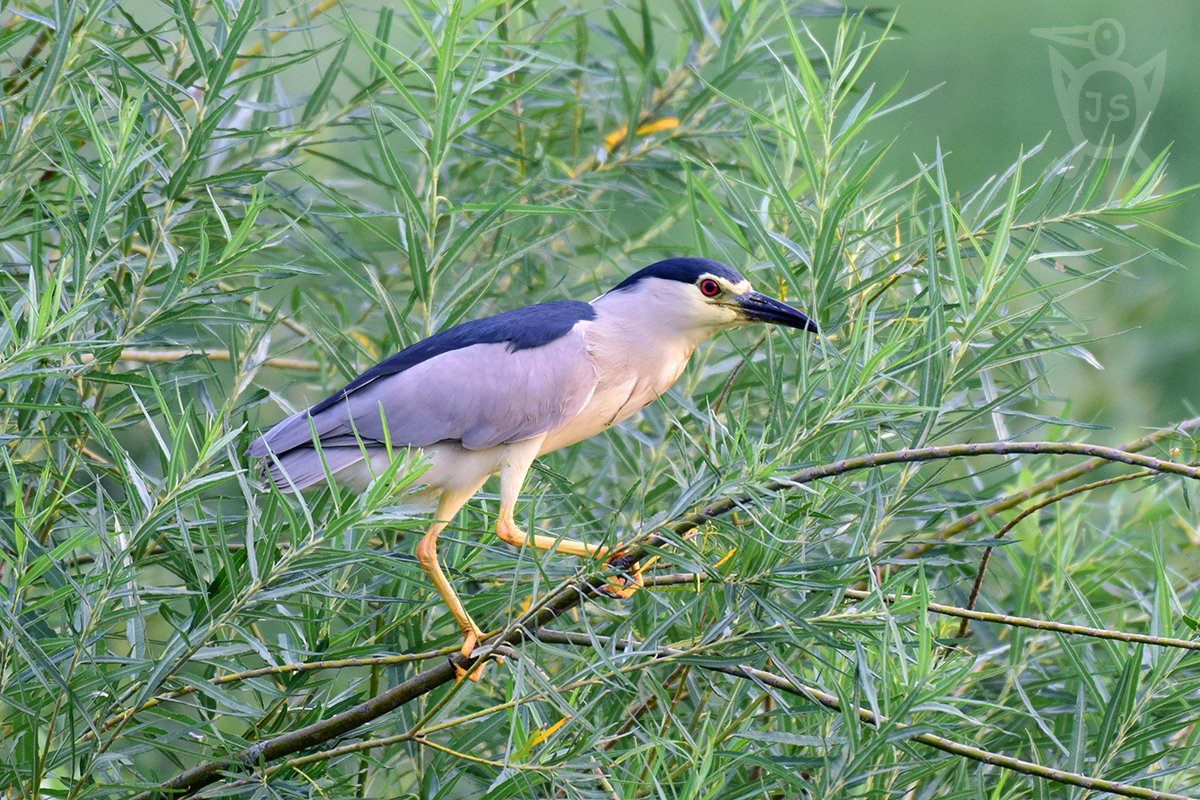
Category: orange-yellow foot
<point>619,586</point>
<point>470,640</point>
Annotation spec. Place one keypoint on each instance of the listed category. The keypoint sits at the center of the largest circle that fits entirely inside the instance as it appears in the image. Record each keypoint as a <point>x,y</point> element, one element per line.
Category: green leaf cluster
<point>212,213</point>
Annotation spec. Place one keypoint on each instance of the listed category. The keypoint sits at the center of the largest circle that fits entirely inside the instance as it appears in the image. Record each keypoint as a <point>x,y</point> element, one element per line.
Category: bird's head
<point>700,296</point>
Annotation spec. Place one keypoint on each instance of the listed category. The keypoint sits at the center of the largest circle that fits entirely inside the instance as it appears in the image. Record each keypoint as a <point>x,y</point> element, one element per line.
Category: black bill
<point>757,307</point>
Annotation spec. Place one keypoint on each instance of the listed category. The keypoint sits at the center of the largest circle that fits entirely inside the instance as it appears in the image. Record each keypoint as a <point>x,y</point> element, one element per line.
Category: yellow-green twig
<point>977,586</point>
<point>157,356</point>
<point>282,669</point>
<point>868,717</point>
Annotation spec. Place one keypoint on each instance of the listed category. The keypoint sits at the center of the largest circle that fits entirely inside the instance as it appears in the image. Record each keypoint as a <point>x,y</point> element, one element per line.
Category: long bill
<point>758,307</point>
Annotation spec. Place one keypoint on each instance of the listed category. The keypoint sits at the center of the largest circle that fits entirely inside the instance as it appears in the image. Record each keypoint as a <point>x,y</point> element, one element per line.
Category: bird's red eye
<point>709,287</point>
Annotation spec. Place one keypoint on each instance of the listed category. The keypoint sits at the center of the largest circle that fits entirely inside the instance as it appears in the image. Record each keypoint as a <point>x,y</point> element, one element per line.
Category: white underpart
<point>639,343</point>
<point>451,468</point>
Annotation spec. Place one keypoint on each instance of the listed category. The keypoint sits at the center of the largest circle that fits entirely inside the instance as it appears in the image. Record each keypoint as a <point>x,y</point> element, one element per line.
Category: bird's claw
<point>470,640</point>
<point>620,587</point>
<point>474,675</point>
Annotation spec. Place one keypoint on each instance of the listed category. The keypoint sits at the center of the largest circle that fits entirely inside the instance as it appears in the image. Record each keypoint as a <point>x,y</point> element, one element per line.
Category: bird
<point>491,395</point>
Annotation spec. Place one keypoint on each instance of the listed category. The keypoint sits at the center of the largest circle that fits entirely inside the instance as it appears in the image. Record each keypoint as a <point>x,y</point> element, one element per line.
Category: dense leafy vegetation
<point>210,211</point>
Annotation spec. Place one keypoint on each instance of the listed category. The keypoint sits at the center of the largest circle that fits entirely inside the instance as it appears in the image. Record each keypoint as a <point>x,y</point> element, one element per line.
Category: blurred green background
<point>996,97</point>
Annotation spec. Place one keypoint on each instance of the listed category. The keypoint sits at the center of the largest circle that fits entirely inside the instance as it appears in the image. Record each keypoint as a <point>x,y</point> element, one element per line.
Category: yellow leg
<point>512,476</point>
<point>506,529</point>
<point>427,557</point>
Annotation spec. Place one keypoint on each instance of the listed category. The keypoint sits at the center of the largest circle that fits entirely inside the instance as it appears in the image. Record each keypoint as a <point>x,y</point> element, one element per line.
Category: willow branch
<point>829,701</point>
<point>1040,624</point>
<point>696,578</point>
<point>157,356</point>
<point>573,593</point>
<point>1098,455</point>
<point>977,586</point>
<point>867,717</point>
<point>565,598</point>
<point>1055,480</point>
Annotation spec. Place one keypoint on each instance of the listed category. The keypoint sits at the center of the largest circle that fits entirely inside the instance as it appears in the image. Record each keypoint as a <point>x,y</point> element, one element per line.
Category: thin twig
<point>570,594</point>
<point>733,374</point>
<point>20,75</point>
<point>695,578</point>
<point>867,717</point>
<point>441,748</point>
<point>1040,624</point>
<point>1098,454</point>
<point>1055,480</point>
<point>286,321</point>
<point>641,709</point>
<point>154,356</point>
<point>977,586</point>
<point>314,11</point>
<point>256,49</point>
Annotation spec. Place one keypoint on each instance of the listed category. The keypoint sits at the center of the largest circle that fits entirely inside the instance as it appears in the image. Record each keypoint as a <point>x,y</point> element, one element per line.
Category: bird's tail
<point>302,467</point>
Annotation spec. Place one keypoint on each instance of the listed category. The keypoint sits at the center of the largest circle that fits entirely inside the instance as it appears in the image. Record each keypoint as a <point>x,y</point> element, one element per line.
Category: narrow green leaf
<point>333,71</point>
<point>197,142</point>
<point>52,70</point>
<point>220,71</point>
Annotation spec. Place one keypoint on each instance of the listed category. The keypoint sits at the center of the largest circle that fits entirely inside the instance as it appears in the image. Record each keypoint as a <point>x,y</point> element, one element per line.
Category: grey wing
<point>481,395</point>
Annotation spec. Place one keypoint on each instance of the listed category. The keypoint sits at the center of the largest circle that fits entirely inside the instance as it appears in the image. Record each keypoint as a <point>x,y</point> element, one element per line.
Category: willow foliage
<point>212,210</point>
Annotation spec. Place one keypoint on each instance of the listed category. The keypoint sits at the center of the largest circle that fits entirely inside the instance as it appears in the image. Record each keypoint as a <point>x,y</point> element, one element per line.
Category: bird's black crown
<point>684,270</point>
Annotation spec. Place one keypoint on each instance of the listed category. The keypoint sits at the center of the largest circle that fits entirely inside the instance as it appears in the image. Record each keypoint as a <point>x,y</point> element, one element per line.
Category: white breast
<point>637,358</point>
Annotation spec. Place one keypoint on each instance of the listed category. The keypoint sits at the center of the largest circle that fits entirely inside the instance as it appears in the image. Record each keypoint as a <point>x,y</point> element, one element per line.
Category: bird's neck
<point>664,318</point>
<point>645,338</point>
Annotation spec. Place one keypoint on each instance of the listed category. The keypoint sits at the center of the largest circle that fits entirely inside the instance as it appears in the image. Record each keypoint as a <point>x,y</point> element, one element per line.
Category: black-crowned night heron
<point>491,395</point>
